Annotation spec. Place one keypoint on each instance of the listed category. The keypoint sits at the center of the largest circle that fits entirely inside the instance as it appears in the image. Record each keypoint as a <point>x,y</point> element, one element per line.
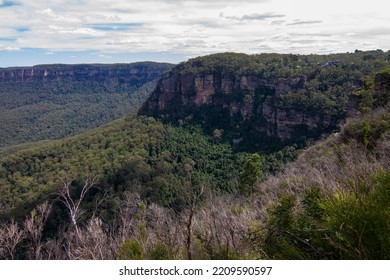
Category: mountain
<point>175,180</point>
<point>54,101</point>
<point>264,98</point>
<point>132,73</point>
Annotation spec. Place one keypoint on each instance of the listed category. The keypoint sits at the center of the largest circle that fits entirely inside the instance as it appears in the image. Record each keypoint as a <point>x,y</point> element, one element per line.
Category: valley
<point>53,101</point>
<point>225,156</point>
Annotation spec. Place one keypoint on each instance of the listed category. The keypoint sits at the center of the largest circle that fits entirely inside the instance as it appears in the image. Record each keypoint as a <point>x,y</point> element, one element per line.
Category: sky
<point>118,31</point>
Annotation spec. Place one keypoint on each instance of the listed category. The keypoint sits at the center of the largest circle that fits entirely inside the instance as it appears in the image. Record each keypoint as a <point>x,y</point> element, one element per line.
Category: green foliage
<point>253,171</point>
<point>313,91</point>
<point>130,250</point>
<point>136,154</point>
<point>366,100</point>
<point>370,130</point>
<point>352,223</point>
<point>38,110</point>
<point>281,216</point>
<point>223,253</point>
<point>217,134</point>
<point>277,241</point>
<point>171,165</point>
<point>311,206</point>
<point>160,252</point>
<point>314,102</point>
<point>330,68</point>
<point>358,220</point>
<point>276,161</point>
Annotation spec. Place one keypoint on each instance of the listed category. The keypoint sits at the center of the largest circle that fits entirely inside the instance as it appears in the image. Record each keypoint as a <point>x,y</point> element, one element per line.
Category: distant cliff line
<point>83,72</point>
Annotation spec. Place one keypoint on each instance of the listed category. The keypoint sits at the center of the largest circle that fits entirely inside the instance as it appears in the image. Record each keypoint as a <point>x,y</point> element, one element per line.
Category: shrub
<point>131,250</point>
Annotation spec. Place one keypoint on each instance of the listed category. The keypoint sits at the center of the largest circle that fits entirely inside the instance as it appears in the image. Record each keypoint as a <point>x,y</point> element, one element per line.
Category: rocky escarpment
<point>124,73</point>
<point>282,97</point>
<point>54,101</point>
<point>241,102</point>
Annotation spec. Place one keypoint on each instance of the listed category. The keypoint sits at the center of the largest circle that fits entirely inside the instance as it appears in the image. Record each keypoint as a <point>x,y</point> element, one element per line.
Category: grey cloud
<point>310,41</point>
<point>192,44</point>
<point>312,34</point>
<point>261,16</point>
<point>380,31</point>
<point>264,47</point>
<point>304,41</point>
<point>202,22</point>
<point>126,10</point>
<point>132,43</point>
<point>255,16</point>
<point>278,22</point>
<point>301,22</point>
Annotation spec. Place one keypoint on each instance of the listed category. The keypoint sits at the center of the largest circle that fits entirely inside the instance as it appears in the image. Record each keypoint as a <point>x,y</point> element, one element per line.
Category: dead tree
<point>10,236</point>
<point>165,229</point>
<point>33,227</point>
<point>73,205</point>
<point>194,199</point>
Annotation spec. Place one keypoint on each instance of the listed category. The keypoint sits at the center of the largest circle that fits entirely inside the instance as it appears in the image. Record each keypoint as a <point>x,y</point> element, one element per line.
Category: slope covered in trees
<point>266,100</point>
<point>54,101</point>
<point>146,188</point>
<point>332,203</point>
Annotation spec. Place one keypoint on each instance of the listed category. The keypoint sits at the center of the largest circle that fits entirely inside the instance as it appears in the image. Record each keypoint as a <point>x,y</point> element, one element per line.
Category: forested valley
<point>47,102</point>
<point>231,156</point>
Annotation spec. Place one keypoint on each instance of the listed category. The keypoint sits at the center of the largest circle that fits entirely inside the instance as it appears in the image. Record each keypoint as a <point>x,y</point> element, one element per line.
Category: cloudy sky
<point>107,31</point>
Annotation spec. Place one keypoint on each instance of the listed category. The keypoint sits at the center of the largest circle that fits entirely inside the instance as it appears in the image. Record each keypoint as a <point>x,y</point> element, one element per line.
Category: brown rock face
<point>236,101</point>
<point>100,72</point>
<point>204,88</point>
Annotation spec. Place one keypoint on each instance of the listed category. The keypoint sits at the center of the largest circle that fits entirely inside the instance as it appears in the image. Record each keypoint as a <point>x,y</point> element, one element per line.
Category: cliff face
<point>125,73</point>
<point>243,101</point>
<point>55,101</point>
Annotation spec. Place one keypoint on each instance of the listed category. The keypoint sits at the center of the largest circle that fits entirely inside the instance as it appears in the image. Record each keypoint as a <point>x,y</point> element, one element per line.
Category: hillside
<point>169,182</point>
<point>265,98</point>
<point>136,153</point>
<point>54,101</point>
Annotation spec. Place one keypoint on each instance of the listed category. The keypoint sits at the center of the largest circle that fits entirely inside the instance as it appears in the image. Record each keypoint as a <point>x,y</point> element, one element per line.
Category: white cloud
<point>196,27</point>
<point>8,49</point>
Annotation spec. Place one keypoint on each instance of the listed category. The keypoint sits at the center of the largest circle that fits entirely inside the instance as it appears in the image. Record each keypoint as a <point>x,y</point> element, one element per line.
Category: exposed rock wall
<point>250,98</point>
<point>131,73</point>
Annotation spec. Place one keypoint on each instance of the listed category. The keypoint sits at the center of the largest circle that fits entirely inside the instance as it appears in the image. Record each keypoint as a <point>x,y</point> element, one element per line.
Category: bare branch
<point>73,205</point>
<point>33,227</point>
<point>10,236</point>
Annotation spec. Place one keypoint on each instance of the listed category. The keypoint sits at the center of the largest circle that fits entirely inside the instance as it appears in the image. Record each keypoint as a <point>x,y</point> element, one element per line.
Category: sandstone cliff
<point>239,102</point>
<point>53,101</point>
<point>125,73</point>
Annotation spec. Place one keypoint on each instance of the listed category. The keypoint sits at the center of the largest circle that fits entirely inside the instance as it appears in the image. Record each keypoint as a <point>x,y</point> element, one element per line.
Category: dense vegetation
<point>136,153</point>
<point>340,208</point>
<point>140,188</point>
<point>325,90</point>
<point>351,66</point>
<point>35,110</point>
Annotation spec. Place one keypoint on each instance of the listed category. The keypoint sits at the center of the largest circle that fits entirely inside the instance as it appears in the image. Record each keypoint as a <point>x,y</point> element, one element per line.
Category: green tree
<point>217,134</point>
<point>253,172</point>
